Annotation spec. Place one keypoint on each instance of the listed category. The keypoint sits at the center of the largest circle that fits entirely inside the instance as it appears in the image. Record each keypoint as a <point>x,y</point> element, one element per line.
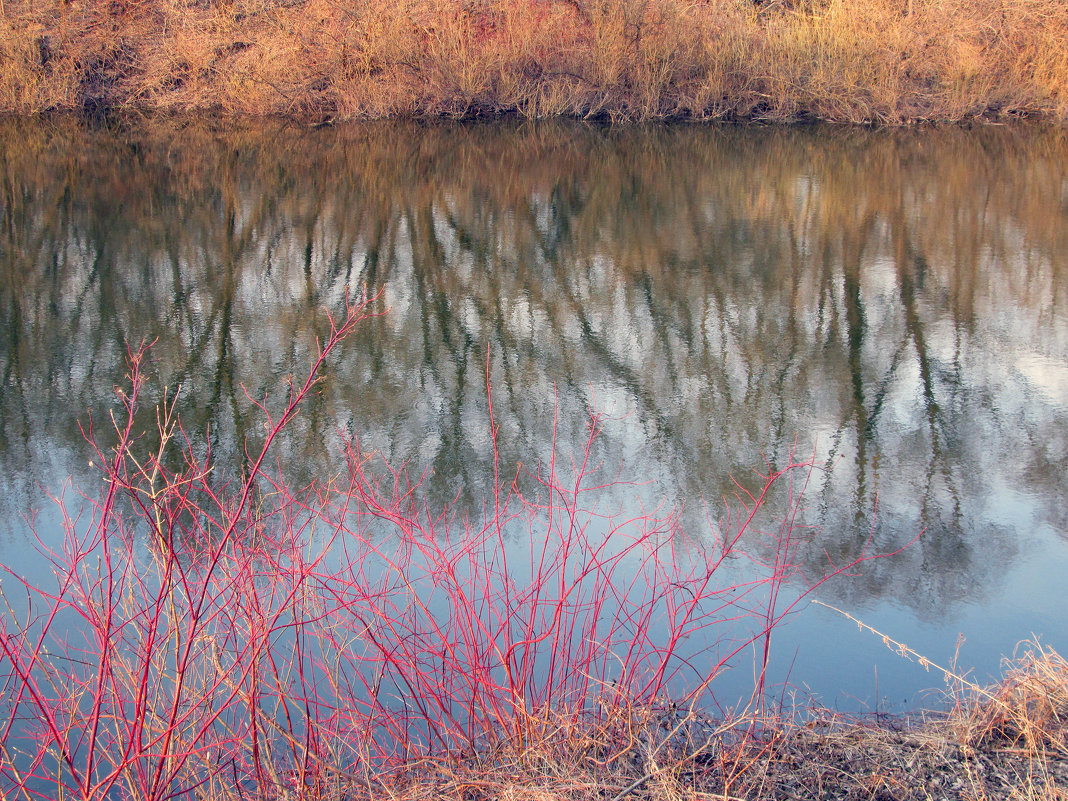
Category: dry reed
<point>888,61</point>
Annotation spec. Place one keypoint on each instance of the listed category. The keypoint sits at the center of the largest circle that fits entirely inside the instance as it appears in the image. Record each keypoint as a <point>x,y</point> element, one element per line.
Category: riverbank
<point>1007,741</point>
<point>856,61</point>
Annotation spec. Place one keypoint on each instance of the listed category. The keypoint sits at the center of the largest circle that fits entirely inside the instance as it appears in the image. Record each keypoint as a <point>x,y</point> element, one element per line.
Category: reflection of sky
<point>901,323</point>
<point>1016,608</point>
<point>1045,376</point>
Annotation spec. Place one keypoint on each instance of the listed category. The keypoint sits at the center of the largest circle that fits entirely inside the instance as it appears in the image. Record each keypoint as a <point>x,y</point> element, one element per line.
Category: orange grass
<point>888,61</point>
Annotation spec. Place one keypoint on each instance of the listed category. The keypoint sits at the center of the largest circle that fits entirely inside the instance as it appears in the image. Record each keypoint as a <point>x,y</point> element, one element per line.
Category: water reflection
<point>894,300</point>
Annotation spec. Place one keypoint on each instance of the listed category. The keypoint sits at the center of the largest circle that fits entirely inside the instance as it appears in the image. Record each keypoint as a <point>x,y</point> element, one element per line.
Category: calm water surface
<point>894,302</point>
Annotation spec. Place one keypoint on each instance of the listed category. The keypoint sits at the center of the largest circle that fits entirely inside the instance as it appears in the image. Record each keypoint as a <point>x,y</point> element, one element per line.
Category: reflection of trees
<point>722,291</point>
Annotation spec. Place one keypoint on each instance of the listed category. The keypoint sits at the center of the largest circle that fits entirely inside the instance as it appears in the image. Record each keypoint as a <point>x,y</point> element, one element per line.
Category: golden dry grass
<point>1027,711</point>
<point>891,61</point>
<point>1007,743</point>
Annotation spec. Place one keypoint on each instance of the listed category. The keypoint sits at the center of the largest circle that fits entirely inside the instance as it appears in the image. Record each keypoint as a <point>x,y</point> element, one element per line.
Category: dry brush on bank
<point>1006,742</point>
<point>891,61</point>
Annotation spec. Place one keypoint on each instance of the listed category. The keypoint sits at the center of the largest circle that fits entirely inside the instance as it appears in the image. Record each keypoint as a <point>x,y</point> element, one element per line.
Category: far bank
<point>852,61</point>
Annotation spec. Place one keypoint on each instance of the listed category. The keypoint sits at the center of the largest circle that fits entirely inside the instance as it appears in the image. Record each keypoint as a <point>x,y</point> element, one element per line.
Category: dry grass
<point>891,61</point>
<point>1027,711</point>
<point>1006,743</point>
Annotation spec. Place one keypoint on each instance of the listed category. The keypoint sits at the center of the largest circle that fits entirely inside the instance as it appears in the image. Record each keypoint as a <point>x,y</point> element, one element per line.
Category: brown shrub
<point>888,61</point>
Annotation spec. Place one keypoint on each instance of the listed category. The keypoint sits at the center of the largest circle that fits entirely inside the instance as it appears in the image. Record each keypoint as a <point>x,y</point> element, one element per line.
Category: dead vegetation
<point>1001,742</point>
<point>888,61</point>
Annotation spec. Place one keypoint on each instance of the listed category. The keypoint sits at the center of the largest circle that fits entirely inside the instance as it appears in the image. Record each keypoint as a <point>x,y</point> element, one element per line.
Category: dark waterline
<point>891,301</point>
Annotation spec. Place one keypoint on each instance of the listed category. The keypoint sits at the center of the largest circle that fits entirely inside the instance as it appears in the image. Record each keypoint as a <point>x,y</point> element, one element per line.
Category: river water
<point>891,302</point>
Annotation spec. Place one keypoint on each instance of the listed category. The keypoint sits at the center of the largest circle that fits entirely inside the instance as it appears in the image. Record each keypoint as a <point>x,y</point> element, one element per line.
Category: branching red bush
<point>210,638</point>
